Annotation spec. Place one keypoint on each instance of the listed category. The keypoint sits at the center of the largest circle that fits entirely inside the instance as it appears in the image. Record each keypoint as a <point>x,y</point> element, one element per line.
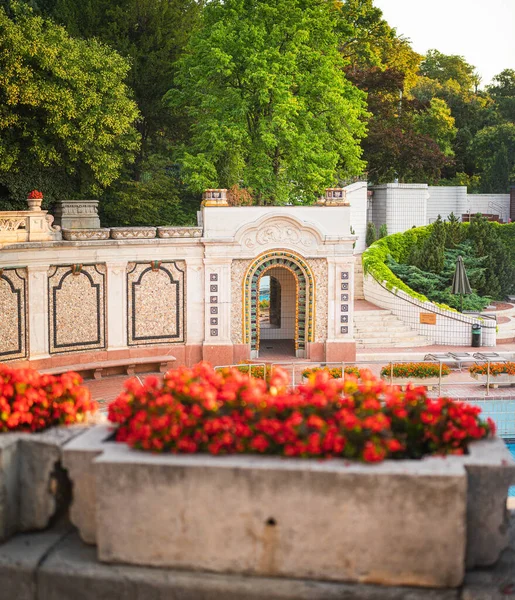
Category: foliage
<point>488,251</point>
<point>419,370</point>
<point>437,123</point>
<point>499,280</point>
<point>446,68</point>
<point>270,107</point>
<point>66,122</point>
<point>507,368</point>
<point>383,231</point>
<point>493,149</point>
<point>264,303</point>
<point>371,234</point>
<point>437,288</point>
<point>226,412</point>
<point>431,254</point>
<point>151,35</point>
<point>157,198</point>
<point>32,402</point>
<point>502,91</point>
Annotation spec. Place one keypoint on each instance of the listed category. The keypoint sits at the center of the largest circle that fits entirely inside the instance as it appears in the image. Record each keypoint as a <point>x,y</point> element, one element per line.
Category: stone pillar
<point>218,348</point>
<point>195,310</point>
<point>77,214</point>
<point>38,311</point>
<point>216,197</point>
<point>117,305</point>
<point>340,345</point>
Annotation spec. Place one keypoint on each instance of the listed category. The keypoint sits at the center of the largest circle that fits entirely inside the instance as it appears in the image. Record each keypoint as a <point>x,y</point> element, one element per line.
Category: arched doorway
<point>291,315</point>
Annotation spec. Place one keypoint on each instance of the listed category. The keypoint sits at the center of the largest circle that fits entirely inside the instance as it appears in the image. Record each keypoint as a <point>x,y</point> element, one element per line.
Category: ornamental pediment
<point>279,231</point>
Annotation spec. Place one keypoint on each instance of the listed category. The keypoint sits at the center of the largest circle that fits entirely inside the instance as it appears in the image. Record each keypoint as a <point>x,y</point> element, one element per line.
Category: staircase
<point>506,327</point>
<point>380,328</point>
<point>358,279</point>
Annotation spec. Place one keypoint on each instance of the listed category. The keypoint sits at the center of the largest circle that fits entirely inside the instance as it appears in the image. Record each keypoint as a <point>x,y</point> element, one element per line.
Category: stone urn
<point>34,200</point>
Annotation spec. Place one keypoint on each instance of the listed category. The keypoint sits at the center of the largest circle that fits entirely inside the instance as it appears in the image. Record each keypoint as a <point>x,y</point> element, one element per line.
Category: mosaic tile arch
<point>13,314</point>
<point>156,302</point>
<point>305,296</point>
<point>76,307</point>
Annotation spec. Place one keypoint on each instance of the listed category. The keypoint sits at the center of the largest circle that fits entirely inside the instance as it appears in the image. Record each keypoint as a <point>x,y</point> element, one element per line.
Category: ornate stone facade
<point>78,235</point>
<point>13,311</point>
<point>76,307</point>
<point>279,232</point>
<point>155,302</point>
<point>133,233</point>
<point>179,232</point>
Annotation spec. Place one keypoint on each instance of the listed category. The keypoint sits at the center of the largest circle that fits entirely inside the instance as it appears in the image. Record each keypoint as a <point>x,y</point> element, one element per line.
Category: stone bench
<point>129,365</point>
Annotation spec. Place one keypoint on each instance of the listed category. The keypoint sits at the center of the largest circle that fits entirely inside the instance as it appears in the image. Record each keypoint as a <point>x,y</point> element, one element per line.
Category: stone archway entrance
<point>297,302</point>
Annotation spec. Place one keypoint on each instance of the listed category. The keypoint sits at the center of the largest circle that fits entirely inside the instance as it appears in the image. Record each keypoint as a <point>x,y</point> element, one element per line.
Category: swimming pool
<point>511,448</point>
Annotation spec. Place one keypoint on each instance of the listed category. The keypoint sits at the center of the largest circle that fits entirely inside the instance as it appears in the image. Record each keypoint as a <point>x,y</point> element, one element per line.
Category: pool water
<point>511,448</point>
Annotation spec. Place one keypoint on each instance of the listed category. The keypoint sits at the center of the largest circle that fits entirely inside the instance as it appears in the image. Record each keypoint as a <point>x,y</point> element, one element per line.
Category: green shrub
<point>371,234</point>
<point>383,231</point>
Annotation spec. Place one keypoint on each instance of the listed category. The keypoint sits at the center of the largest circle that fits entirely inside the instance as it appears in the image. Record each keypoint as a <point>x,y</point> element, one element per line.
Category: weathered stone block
<point>397,523</point>
<point>491,470</point>
<point>73,571</point>
<point>78,456</point>
<point>32,485</point>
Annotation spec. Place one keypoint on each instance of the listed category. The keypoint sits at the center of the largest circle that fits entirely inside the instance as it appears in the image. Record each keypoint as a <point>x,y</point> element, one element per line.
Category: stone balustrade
<point>27,226</point>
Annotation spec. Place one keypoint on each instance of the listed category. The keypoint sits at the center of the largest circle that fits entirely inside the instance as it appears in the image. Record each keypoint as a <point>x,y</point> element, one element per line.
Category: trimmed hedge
<point>399,245</point>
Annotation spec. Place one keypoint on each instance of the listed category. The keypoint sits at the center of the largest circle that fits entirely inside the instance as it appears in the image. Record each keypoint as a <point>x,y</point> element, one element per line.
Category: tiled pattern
<point>319,269</point>
<point>238,270</point>
<point>13,314</point>
<point>76,307</point>
<point>305,296</point>
<point>155,302</point>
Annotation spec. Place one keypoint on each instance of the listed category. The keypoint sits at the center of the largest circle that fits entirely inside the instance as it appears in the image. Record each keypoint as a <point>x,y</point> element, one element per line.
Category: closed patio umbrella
<point>460,282</point>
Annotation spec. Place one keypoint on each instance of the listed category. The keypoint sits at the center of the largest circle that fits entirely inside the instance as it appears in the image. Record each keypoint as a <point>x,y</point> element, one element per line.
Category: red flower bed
<point>224,412</point>
<point>30,401</point>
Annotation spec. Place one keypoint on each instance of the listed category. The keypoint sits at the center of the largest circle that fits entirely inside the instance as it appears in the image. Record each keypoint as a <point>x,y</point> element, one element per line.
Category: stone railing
<point>27,226</point>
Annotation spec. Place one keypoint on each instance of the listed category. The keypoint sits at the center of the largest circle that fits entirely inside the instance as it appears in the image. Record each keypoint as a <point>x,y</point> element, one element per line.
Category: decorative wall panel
<point>13,314</point>
<point>76,308</point>
<point>155,302</point>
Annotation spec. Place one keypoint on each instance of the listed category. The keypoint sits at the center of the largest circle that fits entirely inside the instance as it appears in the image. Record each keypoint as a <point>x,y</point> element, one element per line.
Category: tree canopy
<point>66,116</point>
<point>269,103</point>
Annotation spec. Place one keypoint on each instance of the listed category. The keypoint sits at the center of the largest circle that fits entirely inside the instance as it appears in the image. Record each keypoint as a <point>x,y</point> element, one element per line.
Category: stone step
<point>369,314</point>
<point>386,343</point>
<point>399,332</point>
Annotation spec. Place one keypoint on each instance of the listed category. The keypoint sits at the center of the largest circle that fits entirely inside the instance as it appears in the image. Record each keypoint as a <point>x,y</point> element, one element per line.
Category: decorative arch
<point>305,297</point>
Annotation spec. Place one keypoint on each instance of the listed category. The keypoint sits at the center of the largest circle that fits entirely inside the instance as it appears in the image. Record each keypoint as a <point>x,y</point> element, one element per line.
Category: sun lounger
<point>448,358</point>
<point>462,357</point>
<point>489,357</point>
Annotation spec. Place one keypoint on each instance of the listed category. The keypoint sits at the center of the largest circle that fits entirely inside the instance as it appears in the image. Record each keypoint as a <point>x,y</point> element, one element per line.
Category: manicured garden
<point>421,261</point>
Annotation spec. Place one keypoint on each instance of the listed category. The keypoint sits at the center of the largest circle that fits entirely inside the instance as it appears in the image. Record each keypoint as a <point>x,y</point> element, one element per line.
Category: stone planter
<point>306,519</point>
<point>427,382</point>
<point>495,380</point>
<point>34,204</point>
<point>179,232</point>
<point>133,233</point>
<point>80,235</point>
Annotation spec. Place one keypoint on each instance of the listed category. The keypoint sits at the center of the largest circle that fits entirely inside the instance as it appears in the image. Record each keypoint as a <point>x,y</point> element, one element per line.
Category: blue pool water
<point>511,448</point>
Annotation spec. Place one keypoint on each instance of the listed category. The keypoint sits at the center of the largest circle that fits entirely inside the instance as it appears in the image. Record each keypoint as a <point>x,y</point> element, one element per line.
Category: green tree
<point>431,256</point>
<point>66,117</point>
<point>371,234</point>
<point>437,123</point>
<point>502,91</point>
<point>271,109</point>
<point>493,149</point>
<point>151,35</point>
<point>383,231</point>
<point>447,68</point>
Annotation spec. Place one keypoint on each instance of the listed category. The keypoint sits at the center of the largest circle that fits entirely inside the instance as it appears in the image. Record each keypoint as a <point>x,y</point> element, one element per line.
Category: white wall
<point>288,292</point>
<point>497,204</point>
<point>451,329</point>
<point>357,196</point>
<point>445,200</point>
<point>400,206</point>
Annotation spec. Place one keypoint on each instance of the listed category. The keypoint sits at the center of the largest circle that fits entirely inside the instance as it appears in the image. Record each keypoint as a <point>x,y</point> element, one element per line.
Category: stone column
<point>340,345</point>
<point>195,310</point>
<point>117,305</point>
<point>218,348</point>
<point>38,311</point>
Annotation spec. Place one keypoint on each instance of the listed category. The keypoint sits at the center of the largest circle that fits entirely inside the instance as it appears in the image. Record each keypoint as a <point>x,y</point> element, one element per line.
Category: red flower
<point>35,194</point>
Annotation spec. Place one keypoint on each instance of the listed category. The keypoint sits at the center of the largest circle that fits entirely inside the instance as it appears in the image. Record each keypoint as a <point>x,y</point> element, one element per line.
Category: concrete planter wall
<point>427,382</point>
<point>495,380</point>
<point>324,520</point>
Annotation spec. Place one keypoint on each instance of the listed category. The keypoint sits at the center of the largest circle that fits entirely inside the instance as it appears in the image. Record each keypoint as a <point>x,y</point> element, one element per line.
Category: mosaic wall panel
<point>155,302</point>
<point>76,308</point>
<point>319,269</point>
<point>238,270</point>
<point>13,314</point>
